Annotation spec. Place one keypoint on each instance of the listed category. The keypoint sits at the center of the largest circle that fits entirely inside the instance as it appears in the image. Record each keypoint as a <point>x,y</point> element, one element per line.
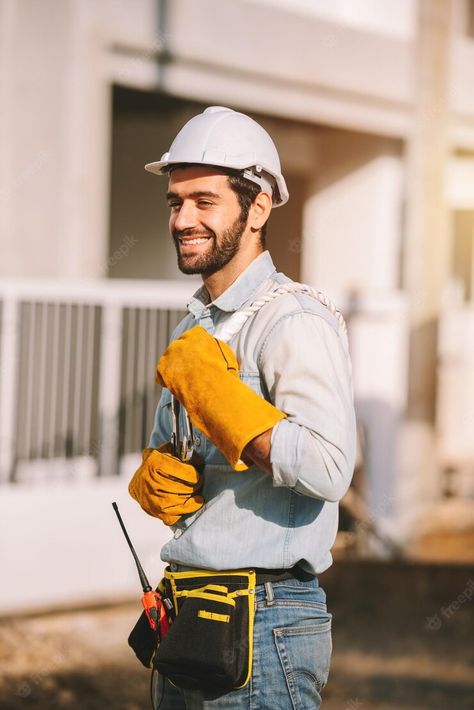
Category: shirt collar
<point>238,292</point>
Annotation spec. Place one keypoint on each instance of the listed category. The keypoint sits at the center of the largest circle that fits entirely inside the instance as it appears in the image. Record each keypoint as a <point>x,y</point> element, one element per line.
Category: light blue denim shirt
<point>294,354</point>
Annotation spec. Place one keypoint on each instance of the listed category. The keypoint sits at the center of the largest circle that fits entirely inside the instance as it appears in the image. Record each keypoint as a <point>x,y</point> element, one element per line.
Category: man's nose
<point>184,217</point>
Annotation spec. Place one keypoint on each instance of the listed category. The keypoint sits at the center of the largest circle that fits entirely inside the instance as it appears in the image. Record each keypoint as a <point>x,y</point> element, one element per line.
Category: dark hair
<point>246,192</point>
<point>245,189</point>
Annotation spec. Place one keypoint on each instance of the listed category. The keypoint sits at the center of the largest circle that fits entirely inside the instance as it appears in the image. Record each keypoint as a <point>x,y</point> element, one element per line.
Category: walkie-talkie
<point>152,600</point>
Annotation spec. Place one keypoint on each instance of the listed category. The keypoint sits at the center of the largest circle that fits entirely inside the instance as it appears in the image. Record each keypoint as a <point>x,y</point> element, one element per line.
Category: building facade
<point>371,105</point>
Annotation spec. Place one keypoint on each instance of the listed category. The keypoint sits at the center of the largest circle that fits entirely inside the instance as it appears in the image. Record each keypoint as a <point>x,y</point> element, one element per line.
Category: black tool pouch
<point>144,641</point>
<point>209,645</point>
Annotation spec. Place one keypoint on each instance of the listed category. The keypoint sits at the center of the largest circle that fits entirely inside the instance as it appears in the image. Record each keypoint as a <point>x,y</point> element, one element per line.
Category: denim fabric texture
<point>292,651</point>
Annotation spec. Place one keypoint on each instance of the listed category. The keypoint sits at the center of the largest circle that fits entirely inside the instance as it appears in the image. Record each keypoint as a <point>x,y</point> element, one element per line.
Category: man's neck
<point>220,281</point>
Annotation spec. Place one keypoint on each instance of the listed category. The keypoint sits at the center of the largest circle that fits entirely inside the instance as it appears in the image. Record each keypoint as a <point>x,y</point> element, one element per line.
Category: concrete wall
<point>53,138</point>
<point>62,545</point>
<point>352,230</point>
<point>56,120</point>
<point>390,17</point>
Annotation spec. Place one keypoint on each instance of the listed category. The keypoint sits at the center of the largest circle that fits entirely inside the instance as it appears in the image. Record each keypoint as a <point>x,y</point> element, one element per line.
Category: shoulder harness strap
<point>233,324</point>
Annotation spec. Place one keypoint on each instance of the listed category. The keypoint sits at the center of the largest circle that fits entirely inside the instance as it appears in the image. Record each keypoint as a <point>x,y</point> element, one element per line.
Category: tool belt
<point>210,639</point>
<point>209,644</point>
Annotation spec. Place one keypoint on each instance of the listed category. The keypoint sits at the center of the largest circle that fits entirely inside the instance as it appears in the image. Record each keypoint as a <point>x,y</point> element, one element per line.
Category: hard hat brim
<point>159,167</point>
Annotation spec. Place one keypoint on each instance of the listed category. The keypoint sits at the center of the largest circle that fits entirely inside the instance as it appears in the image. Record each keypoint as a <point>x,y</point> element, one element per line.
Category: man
<point>271,403</point>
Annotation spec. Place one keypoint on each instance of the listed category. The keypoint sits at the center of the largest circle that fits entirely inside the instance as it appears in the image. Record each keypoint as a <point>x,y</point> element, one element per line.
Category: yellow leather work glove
<point>202,373</point>
<point>166,487</point>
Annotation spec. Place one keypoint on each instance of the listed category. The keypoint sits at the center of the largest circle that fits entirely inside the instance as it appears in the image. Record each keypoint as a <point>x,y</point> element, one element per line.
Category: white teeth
<point>199,240</point>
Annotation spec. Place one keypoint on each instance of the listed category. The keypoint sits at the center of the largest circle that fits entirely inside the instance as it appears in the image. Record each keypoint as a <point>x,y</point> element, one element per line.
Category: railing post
<point>8,382</point>
<point>109,388</point>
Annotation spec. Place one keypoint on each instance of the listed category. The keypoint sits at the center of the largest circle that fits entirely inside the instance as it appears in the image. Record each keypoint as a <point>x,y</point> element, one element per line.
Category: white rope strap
<point>227,330</point>
<point>296,287</point>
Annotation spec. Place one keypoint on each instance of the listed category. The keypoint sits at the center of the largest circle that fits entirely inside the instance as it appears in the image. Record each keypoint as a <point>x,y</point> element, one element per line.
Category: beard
<point>218,252</point>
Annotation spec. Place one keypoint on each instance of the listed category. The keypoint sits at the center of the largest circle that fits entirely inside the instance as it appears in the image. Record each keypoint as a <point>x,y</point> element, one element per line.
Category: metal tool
<point>182,437</point>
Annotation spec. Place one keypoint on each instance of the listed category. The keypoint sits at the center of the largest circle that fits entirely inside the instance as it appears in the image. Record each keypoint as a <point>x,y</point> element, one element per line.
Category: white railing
<point>77,398</point>
<point>77,361</point>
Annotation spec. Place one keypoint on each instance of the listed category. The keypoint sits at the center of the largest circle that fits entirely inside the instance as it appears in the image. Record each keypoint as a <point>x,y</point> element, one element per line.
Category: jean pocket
<point>304,650</point>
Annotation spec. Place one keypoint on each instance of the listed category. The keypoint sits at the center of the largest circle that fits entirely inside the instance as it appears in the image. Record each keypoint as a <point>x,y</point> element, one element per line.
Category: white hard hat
<point>225,138</point>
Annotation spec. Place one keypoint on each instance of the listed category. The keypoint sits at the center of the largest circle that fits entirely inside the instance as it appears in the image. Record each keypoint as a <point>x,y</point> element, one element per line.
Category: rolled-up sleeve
<point>306,368</point>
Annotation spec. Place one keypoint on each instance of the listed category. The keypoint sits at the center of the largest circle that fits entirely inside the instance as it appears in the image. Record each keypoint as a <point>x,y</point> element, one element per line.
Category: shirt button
<point>174,567</point>
<point>177,534</point>
<point>197,441</point>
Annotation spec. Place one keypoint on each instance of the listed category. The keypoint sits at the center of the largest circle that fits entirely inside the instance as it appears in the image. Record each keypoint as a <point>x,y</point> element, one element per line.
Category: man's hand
<point>166,487</point>
<point>202,373</point>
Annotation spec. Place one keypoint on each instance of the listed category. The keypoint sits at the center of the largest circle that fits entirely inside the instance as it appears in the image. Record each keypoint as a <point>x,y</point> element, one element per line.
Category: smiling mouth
<point>195,240</point>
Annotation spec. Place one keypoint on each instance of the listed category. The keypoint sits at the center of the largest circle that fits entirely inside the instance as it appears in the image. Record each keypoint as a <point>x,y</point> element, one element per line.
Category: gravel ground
<point>397,646</point>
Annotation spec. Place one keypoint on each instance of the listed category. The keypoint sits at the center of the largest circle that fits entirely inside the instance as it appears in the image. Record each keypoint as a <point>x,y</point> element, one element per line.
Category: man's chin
<point>188,270</point>
<point>198,268</point>
<point>188,266</point>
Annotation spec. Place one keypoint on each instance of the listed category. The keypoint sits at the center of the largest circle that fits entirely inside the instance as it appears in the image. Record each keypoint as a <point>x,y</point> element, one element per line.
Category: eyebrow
<point>196,193</point>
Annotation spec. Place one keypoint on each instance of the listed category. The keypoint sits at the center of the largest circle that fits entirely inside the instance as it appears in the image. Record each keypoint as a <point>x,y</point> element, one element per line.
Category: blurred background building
<point>371,105</point>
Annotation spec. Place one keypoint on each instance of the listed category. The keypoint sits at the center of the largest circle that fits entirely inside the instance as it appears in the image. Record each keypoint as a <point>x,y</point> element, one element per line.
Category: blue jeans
<point>291,657</point>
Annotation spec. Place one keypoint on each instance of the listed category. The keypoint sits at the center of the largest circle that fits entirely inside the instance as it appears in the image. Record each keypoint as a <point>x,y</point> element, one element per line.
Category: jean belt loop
<point>269,593</point>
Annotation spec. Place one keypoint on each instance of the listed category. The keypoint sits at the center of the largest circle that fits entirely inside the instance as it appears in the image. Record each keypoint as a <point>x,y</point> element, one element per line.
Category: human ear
<point>260,210</point>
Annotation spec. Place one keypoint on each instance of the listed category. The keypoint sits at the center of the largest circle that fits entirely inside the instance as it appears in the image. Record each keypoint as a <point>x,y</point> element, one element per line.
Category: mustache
<point>194,233</point>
